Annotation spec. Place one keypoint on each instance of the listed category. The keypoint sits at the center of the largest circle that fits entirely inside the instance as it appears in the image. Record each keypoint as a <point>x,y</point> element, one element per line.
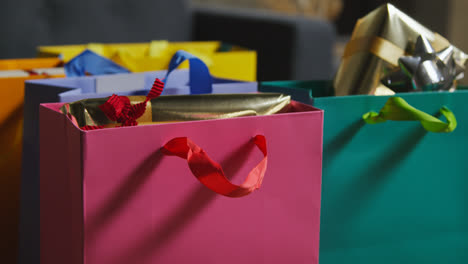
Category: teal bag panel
<point>301,91</point>
<point>392,192</point>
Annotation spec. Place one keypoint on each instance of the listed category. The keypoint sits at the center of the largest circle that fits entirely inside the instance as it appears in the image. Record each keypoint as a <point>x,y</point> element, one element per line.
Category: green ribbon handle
<point>397,109</point>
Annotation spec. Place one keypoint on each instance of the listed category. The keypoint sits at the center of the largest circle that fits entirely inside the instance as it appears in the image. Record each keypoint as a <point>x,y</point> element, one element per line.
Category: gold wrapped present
<point>378,41</point>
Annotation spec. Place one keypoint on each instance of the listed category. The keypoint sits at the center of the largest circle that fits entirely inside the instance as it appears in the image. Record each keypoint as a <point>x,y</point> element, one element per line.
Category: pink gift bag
<point>185,192</point>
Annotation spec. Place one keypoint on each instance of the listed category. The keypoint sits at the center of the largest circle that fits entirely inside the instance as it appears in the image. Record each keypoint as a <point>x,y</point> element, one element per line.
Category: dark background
<point>432,14</point>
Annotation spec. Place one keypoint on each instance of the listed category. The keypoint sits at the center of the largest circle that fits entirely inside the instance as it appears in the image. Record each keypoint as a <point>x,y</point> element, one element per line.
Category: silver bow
<point>426,70</point>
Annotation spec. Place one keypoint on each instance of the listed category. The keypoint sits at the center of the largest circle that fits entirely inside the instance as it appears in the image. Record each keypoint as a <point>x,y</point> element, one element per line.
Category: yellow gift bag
<point>13,73</point>
<point>230,62</point>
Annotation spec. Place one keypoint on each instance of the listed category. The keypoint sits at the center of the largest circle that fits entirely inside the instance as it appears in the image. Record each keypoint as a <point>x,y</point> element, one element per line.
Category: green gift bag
<point>395,175</point>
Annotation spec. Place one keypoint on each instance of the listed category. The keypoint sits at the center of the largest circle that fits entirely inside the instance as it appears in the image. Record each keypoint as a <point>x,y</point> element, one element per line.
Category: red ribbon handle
<point>210,173</point>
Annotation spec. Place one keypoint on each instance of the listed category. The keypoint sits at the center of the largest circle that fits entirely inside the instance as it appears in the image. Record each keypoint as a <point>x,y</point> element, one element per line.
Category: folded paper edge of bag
<point>180,108</point>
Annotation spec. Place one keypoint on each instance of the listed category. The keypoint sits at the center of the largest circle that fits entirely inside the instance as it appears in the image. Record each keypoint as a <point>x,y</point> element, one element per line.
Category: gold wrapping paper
<point>378,41</point>
<point>177,108</point>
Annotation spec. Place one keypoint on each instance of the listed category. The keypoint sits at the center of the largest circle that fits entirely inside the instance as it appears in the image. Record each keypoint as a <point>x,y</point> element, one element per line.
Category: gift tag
<point>13,73</point>
<point>50,71</point>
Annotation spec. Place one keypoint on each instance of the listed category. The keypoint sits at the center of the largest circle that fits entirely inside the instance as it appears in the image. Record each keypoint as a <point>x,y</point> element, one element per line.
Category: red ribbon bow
<point>118,108</point>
